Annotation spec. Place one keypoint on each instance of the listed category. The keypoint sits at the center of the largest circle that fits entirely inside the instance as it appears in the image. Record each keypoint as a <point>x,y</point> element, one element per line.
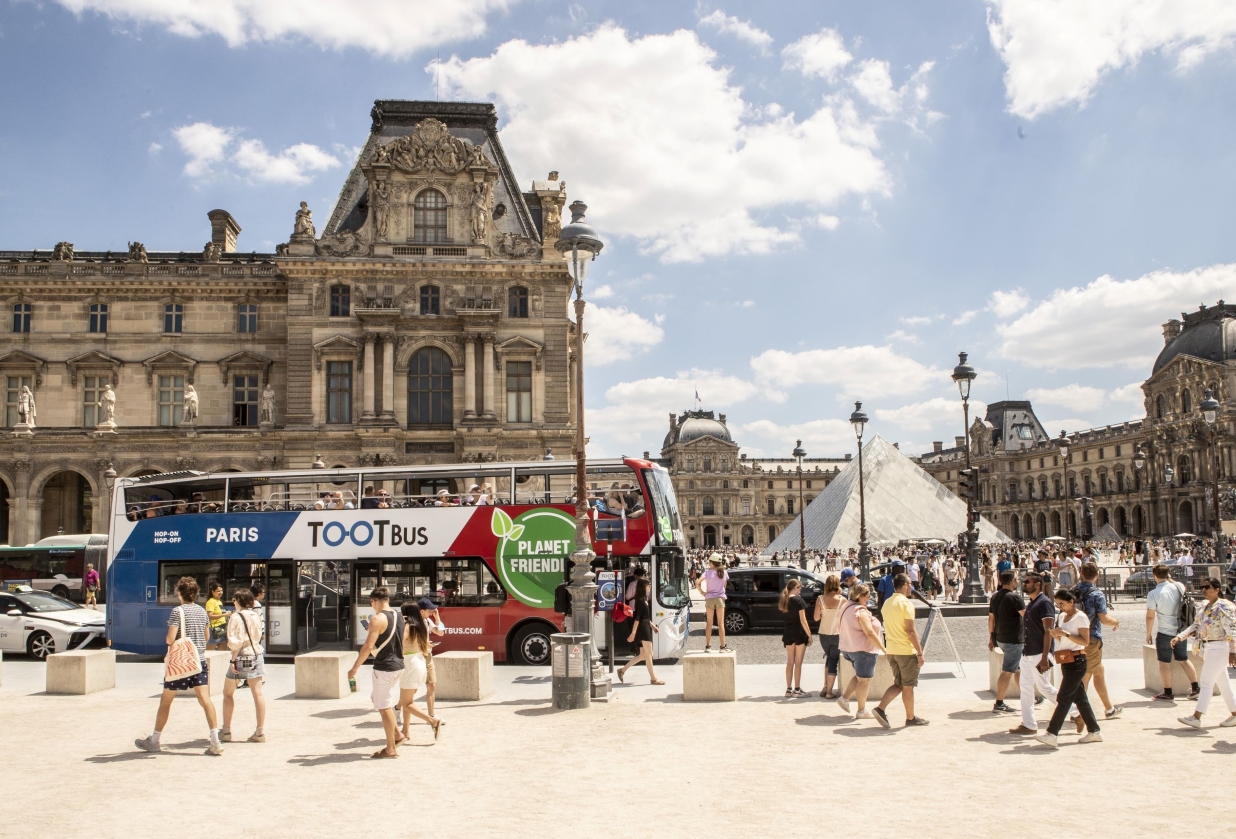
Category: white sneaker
<point>843,703</point>
<point>1048,740</point>
<point>1191,721</point>
<point>864,715</point>
<point>148,745</point>
<point>225,736</point>
<point>1092,737</point>
<point>214,749</point>
<point>1229,722</point>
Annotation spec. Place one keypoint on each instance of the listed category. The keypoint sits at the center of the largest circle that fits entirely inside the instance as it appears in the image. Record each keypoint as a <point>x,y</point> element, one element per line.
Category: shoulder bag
<point>245,661</point>
<point>182,660</point>
<point>1064,656</point>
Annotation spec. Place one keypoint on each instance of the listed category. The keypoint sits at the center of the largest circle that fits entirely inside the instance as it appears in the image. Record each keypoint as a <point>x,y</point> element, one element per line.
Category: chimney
<point>223,230</point>
<point>937,446</point>
<point>959,442</point>
<point>1170,330</point>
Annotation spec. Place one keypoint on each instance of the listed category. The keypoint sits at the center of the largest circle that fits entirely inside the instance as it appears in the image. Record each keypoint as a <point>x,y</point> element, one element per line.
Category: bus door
<point>127,619</point>
<point>470,600</point>
<point>364,579</point>
<point>321,595</point>
<point>280,616</point>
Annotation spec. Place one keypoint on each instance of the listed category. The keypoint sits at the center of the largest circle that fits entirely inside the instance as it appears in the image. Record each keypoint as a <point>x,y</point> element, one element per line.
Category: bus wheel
<point>531,645</point>
<point>40,645</point>
<point>61,591</point>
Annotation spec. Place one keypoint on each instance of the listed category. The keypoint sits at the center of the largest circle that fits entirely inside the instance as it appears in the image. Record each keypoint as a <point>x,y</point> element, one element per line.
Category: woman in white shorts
<point>415,672</point>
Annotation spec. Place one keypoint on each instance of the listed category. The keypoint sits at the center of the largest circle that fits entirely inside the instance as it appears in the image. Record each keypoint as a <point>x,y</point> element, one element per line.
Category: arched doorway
<point>1101,517</point>
<point>4,513</point>
<point>1072,523</point>
<point>1041,526</point>
<point>748,535</point>
<point>1027,526</point>
<point>68,505</point>
<point>1184,519</point>
<point>1139,521</point>
<point>710,536</point>
<point>1122,522</point>
<point>1055,523</point>
<point>1015,526</point>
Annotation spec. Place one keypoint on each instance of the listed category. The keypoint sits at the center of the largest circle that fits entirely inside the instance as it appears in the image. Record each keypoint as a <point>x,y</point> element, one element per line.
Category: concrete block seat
<point>467,676</point>
<point>995,659</point>
<point>323,674</point>
<point>1180,683</point>
<point>79,672</point>
<point>709,677</point>
<point>880,682</point>
<point>217,662</point>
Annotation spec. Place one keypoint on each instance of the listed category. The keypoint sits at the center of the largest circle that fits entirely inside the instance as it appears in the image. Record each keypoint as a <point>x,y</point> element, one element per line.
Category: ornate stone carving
<point>281,249</point>
<point>431,146</point>
<point>26,409</point>
<point>266,410</point>
<point>63,252</point>
<point>516,246</point>
<point>346,243</point>
<point>482,197</point>
<point>211,252</point>
<point>551,215</point>
<point>190,406</point>
<point>302,228</point>
<point>381,209</point>
<point>107,407</point>
<point>137,252</point>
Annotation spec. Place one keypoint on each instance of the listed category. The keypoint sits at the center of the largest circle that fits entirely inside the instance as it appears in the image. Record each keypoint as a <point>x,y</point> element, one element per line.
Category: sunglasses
<point>1205,586</point>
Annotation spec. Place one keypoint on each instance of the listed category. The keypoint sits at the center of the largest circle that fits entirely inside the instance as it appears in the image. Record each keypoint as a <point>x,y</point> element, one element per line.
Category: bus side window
<point>467,582</point>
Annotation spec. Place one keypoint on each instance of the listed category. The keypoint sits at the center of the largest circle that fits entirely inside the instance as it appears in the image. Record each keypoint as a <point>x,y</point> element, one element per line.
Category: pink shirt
<point>714,583</point>
<point>853,639</point>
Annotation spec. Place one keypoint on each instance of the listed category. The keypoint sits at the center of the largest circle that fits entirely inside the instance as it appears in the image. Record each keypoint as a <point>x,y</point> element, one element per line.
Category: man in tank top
<point>385,643</point>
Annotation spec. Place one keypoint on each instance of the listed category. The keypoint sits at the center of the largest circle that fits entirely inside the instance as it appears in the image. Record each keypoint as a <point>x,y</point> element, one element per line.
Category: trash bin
<point>572,664</point>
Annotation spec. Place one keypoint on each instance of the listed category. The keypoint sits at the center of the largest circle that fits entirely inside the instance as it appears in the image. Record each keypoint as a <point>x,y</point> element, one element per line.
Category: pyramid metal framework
<point>903,502</point>
<point>1106,533</point>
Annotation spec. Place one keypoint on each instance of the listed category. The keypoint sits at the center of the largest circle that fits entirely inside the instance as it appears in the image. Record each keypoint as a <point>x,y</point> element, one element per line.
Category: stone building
<point>1027,489</point>
<point>426,323</point>
<point>727,498</point>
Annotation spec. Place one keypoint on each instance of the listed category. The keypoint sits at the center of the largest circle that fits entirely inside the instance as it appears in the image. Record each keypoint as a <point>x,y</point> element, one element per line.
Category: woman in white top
<point>244,640</point>
<point>415,668</point>
<point>828,616</point>
<point>1071,635</point>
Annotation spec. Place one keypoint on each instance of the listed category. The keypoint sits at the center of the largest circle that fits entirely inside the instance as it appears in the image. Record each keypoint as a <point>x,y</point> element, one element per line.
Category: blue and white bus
<point>486,542</point>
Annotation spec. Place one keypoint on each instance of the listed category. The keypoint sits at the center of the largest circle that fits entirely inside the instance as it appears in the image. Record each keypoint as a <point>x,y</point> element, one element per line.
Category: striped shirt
<point>195,625</point>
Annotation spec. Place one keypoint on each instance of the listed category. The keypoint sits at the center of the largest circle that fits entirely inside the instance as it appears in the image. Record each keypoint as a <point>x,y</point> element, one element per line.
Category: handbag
<point>245,661</point>
<point>1066,656</point>
<point>182,660</point>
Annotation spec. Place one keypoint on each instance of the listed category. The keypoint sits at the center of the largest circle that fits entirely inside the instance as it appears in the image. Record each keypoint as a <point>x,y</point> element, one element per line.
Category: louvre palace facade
<point>424,321</point>
<point>1031,491</point>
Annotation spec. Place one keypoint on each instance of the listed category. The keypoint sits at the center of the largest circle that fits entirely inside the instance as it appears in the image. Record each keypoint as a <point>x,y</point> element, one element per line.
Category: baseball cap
<point>426,604</point>
<point>715,557</point>
<point>847,573</point>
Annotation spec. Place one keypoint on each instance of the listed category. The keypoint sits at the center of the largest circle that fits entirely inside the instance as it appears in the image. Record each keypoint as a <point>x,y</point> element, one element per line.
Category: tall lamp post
<point>1210,413</point>
<point>579,242</point>
<point>1063,442</point>
<point>859,420</point>
<point>799,454</point>
<point>1168,474</point>
<point>1139,463</point>
<point>964,376</point>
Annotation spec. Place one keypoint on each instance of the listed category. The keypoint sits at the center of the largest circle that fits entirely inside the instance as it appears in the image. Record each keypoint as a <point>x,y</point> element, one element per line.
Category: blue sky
<point>803,203</point>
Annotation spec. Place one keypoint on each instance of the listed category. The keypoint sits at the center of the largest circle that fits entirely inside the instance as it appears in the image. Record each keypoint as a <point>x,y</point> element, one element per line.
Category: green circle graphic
<point>532,552</point>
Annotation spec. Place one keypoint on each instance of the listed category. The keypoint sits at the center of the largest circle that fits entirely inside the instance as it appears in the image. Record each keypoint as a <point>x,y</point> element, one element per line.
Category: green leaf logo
<point>501,524</point>
<point>515,532</point>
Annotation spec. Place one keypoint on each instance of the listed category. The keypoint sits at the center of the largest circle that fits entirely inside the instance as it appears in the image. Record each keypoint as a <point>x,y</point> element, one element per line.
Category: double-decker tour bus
<point>487,542</point>
<point>55,564</point>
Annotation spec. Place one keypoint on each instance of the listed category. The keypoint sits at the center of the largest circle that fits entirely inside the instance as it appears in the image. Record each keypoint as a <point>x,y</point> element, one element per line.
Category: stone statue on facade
<point>63,252</point>
<point>107,407</point>
<point>303,227</point>
<point>137,252</point>
<point>190,406</point>
<point>211,252</point>
<point>480,211</point>
<point>381,207</point>
<point>26,410</point>
<point>266,409</point>
<point>553,221</point>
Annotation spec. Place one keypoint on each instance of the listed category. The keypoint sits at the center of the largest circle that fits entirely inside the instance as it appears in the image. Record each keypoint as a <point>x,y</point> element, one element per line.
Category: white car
<point>40,624</point>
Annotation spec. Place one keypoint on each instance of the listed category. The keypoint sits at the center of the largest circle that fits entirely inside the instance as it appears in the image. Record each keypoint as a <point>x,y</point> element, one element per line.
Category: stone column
<point>469,377</point>
<point>388,375</point>
<point>19,506</point>
<point>369,384</point>
<point>487,379</point>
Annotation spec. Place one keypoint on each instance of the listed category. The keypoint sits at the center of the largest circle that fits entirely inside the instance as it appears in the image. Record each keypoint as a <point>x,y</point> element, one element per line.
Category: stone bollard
<point>79,672</point>
<point>467,676</point>
<point>1180,683</point>
<point>323,674</point>
<point>880,682</point>
<point>709,677</point>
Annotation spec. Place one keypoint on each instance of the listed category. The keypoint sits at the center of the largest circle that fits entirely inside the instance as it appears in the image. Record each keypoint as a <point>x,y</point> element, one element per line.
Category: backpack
<point>1188,609</point>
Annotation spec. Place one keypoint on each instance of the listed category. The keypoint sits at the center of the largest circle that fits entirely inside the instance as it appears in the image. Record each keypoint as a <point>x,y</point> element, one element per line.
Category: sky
<point>803,204</point>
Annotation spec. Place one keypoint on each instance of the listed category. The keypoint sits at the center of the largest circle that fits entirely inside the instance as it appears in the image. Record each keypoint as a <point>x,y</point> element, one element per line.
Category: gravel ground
<point>969,634</point>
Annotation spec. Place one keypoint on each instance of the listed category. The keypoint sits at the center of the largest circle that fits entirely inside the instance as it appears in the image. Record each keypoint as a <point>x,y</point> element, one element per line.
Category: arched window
<point>725,484</point>
<point>429,217</point>
<point>430,388</point>
<point>707,463</point>
<point>1186,402</point>
<point>748,535</point>
<point>430,300</point>
<point>1159,407</point>
<point>709,506</point>
<point>517,302</point>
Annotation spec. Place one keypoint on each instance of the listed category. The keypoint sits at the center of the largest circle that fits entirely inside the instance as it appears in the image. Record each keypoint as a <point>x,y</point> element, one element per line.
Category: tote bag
<point>182,660</point>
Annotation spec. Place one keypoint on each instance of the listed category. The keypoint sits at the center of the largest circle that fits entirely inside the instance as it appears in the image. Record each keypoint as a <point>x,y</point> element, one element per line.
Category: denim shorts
<point>1012,656</point>
<point>864,663</point>
<point>832,653</point>
<point>1163,647</point>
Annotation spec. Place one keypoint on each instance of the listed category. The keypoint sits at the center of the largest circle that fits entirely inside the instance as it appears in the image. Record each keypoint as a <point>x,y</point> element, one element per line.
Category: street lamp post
<point>579,241</point>
<point>799,454</point>
<point>1168,474</point>
<point>859,420</point>
<point>1210,413</point>
<point>1063,443</point>
<point>964,376</point>
<point>1139,463</point>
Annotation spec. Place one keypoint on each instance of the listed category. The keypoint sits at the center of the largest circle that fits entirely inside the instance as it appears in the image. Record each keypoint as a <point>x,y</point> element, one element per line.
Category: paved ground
<point>645,764</point>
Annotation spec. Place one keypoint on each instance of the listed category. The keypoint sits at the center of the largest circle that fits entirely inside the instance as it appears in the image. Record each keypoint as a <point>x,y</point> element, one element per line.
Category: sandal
<point>437,725</point>
<point>622,673</point>
<point>789,692</point>
<point>656,682</point>
<point>381,754</point>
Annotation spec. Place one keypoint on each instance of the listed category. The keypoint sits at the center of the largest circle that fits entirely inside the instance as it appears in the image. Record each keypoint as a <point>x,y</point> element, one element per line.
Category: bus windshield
<point>665,505</point>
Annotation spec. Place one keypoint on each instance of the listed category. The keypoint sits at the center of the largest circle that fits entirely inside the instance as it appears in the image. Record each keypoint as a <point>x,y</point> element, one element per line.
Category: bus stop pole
<point>609,623</point>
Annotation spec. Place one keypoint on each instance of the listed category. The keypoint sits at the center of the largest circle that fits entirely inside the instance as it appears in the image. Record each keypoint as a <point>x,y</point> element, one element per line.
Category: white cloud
<point>740,29</point>
<point>1057,51</point>
<point>874,83</point>
<point>1005,304</point>
<point>746,304</point>
<point>1109,322</point>
<point>820,54</point>
<point>1131,393</point>
<point>1070,424</point>
<point>617,334</point>
<point>155,148</point>
<point>734,171</point>
<point>932,414</point>
<point>637,412</point>
<point>865,372</point>
<point>916,320</point>
<point>388,28</point>
<point>903,337</point>
<point>1073,397</point>
<point>602,292</point>
<point>965,317</point>
<point>832,437</point>
<point>210,147</point>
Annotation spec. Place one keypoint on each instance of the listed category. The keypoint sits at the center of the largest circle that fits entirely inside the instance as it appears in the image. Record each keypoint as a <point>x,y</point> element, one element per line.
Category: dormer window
<point>429,217</point>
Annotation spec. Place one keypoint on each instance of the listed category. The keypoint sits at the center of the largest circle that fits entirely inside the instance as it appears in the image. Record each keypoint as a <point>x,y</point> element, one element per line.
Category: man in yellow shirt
<point>905,652</point>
